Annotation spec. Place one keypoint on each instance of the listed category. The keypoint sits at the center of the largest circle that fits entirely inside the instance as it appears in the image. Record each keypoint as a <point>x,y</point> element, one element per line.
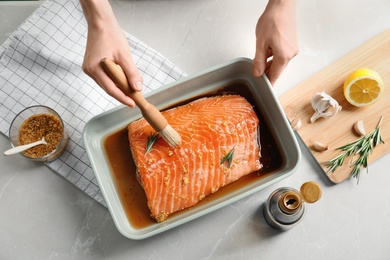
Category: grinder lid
<point>311,191</point>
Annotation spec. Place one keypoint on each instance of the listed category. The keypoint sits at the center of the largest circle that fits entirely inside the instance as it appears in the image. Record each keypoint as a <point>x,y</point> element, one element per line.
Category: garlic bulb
<point>324,106</point>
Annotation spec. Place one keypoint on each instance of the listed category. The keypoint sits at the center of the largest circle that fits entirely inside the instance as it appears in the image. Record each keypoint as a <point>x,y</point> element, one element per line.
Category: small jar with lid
<point>286,207</point>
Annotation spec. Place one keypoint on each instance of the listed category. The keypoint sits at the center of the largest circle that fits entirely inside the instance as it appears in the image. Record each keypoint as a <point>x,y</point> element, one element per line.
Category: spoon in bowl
<point>21,148</point>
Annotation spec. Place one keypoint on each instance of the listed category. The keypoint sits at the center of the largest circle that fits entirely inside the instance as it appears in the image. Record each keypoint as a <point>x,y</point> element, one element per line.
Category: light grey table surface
<point>43,216</point>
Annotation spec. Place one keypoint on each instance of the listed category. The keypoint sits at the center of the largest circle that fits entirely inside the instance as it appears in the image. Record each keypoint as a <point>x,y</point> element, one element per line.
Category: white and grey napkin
<point>40,63</point>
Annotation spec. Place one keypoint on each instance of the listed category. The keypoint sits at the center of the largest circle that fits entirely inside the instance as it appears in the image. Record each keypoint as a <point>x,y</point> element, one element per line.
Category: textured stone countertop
<point>43,216</point>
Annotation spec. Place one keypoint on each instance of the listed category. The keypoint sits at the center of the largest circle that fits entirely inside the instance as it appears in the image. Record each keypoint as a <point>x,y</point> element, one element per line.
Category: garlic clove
<point>296,123</point>
<point>320,147</point>
<point>359,128</point>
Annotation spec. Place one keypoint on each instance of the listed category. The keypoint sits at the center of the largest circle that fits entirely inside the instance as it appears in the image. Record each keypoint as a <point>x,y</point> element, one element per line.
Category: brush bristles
<point>170,136</point>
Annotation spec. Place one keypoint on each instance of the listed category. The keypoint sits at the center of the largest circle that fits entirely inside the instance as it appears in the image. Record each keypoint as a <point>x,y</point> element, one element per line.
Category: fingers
<point>132,73</point>
<point>112,89</point>
<point>276,67</point>
<point>280,60</point>
<point>260,61</point>
<point>272,64</point>
<point>97,73</point>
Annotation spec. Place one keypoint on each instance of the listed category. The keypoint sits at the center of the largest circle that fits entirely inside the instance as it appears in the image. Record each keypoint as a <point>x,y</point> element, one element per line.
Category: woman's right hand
<point>106,39</point>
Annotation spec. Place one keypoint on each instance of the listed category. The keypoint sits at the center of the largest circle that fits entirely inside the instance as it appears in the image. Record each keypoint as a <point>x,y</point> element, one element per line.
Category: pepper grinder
<point>285,207</point>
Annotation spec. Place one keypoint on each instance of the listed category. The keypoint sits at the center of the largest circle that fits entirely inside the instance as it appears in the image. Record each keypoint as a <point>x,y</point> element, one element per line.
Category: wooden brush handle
<point>149,112</point>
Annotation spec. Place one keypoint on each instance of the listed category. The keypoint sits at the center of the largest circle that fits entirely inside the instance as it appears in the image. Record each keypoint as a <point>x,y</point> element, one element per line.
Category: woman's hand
<point>276,41</point>
<point>106,39</point>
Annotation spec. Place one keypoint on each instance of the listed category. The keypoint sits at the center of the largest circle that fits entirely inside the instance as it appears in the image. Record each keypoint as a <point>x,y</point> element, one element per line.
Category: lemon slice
<point>363,87</point>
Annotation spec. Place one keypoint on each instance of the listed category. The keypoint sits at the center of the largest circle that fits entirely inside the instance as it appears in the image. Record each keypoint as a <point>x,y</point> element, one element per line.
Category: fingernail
<point>256,73</point>
<point>138,85</point>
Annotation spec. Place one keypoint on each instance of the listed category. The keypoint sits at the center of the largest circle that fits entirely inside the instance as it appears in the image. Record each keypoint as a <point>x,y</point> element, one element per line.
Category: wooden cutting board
<point>338,130</point>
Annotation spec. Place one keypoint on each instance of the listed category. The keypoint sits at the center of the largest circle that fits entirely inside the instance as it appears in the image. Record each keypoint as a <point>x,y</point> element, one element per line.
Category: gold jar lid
<point>311,191</point>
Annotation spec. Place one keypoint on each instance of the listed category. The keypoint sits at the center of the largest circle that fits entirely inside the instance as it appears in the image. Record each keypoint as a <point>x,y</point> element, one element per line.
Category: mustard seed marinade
<point>36,127</point>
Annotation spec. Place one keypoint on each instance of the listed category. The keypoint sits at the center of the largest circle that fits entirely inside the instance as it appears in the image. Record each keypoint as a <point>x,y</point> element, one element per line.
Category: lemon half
<point>363,87</point>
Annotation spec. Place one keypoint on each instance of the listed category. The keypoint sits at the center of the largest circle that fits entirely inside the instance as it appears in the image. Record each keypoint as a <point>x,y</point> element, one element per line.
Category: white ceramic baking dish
<point>208,81</point>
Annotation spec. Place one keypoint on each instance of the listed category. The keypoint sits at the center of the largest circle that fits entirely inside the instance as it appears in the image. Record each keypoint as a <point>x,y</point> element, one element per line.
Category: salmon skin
<point>211,128</point>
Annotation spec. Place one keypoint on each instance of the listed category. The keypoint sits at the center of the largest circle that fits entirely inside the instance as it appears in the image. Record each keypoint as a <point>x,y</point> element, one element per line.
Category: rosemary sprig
<point>154,137</point>
<point>363,147</point>
<point>229,157</point>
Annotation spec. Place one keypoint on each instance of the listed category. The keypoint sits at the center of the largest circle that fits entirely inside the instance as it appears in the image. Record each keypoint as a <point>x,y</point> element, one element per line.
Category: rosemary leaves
<point>362,148</point>
<point>228,157</point>
<point>154,137</point>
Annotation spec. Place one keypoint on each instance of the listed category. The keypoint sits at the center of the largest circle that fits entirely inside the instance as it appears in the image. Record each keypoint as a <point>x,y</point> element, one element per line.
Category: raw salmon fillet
<point>210,128</point>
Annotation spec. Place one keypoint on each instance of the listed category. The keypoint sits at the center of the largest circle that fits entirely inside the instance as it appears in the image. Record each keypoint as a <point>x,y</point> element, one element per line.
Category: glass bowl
<point>35,122</point>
